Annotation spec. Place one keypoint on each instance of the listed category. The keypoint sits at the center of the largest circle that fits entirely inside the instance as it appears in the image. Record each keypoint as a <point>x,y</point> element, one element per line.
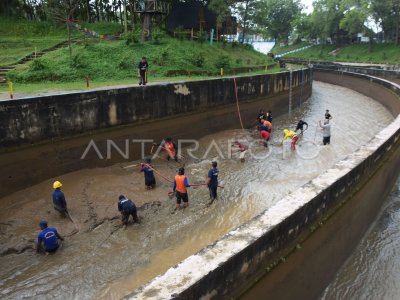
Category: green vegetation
<point>278,49</point>
<point>20,38</point>
<point>48,87</point>
<point>103,27</point>
<point>379,53</point>
<point>107,60</point>
<point>22,47</point>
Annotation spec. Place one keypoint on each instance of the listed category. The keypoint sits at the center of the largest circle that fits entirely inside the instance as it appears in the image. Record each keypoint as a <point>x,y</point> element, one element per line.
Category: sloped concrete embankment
<point>46,136</point>
<point>384,71</point>
<point>294,248</point>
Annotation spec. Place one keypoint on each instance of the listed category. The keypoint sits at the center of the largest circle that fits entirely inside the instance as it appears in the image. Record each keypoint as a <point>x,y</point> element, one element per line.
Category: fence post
<point>11,89</point>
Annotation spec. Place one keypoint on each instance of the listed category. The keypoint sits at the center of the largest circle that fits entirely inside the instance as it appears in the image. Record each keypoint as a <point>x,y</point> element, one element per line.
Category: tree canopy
<point>334,20</point>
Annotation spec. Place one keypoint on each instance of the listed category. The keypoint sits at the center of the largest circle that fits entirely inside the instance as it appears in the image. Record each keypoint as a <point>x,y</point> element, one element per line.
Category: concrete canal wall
<point>41,118</point>
<point>48,135</point>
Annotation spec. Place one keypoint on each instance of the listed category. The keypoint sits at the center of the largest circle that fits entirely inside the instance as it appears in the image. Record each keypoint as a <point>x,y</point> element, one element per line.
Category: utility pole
<point>290,91</point>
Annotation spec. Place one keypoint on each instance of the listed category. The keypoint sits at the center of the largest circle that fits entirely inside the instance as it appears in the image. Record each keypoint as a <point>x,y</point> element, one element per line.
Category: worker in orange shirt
<point>180,184</point>
<point>268,124</point>
<point>170,147</point>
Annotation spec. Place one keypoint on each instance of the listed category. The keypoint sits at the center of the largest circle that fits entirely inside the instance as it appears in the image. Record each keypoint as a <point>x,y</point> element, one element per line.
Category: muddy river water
<point>373,270</point>
<point>103,261</point>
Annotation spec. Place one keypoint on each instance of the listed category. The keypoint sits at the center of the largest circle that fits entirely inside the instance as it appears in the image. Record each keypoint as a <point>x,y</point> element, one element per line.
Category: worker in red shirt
<point>264,136</point>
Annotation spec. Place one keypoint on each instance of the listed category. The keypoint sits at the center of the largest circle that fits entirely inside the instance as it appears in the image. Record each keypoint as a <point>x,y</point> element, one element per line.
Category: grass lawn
<point>22,47</point>
<point>40,87</point>
<point>380,53</point>
<point>110,63</point>
<point>103,27</point>
<point>104,60</point>
<point>18,38</point>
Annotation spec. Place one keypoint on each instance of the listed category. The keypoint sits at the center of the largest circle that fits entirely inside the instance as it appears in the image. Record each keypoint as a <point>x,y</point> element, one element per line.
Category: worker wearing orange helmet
<point>59,202</point>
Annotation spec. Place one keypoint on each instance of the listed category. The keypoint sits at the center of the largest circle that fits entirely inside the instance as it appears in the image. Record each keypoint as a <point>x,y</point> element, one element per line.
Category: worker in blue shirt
<point>127,208</point>
<point>212,180</point>
<point>268,116</point>
<point>147,169</point>
<point>58,198</point>
<point>48,239</point>
<point>261,116</point>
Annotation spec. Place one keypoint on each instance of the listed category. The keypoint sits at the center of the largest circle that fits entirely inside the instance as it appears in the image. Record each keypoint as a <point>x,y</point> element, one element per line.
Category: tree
<point>354,22</point>
<point>247,12</point>
<point>325,20</point>
<point>387,13</point>
<point>63,11</point>
<point>276,17</point>
<point>222,9</point>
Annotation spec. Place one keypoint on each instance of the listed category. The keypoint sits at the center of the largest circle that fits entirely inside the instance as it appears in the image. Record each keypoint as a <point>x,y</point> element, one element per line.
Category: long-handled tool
<point>72,220</point>
<point>316,129</point>
<point>131,166</point>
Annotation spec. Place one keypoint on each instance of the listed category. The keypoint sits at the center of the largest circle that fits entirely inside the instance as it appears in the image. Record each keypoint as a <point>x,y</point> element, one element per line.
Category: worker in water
<point>171,149</point>
<point>147,169</point>
<point>292,135</point>
<point>261,116</point>
<point>127,208</point>
<point>328,115</point>
<point>142,71</point>
<point>264,136</point>
<point>180,184</point>
<point>269,116</point>
<point>212,180</point>
<point>239,147</point>
<point>48,239</point>
<point>58,198</point>
<point>267,126</point>
<point>326,132</point>
<point>300,126</point>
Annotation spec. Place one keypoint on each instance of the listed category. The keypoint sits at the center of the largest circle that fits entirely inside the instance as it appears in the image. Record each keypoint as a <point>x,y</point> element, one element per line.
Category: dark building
<point>194,15</point>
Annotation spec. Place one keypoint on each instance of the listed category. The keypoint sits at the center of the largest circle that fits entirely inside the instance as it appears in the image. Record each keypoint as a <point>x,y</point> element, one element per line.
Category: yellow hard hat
<point>57,184</point>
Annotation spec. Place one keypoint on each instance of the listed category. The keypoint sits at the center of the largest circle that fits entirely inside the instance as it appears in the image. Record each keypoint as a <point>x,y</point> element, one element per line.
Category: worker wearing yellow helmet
<point>59,202</point>
<point>292,135</point>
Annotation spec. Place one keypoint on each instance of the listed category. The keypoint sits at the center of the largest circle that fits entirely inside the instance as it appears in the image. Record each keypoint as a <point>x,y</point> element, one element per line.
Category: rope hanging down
<point>237,103</point>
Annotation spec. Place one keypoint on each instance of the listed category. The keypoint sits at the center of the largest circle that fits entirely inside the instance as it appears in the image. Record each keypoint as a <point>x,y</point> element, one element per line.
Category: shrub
<point>198,60</point>
<point>203,37</point>
<point>78,61</point>
<point>125,63</point>
<point>37,65</point>
<point>132,37</point>
<point>222,62</point>
<point>157,36</point>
